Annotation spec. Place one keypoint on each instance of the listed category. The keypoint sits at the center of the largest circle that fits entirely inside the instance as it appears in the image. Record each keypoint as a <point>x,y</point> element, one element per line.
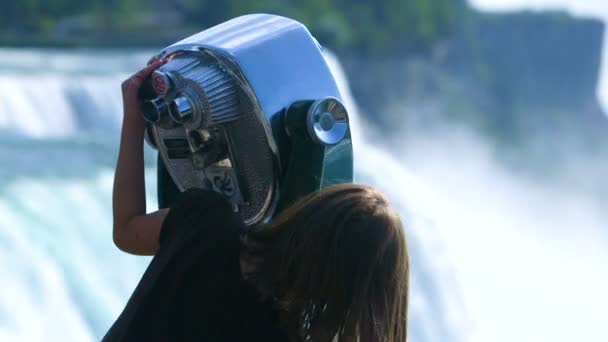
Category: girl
<point>332,267</point>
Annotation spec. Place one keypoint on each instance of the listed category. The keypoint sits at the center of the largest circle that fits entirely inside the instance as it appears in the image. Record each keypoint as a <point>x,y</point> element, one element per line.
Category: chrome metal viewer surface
<point>216,114</point>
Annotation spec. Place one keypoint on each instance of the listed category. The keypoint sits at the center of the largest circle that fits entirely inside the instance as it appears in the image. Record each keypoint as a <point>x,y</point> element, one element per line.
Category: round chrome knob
<point>153,110</point>
<point>162,83</point>
<point>182,109</point>
<point>327,121</point>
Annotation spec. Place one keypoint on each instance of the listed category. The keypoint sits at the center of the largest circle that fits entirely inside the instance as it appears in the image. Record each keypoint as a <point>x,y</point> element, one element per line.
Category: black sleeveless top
<point>193,289</point>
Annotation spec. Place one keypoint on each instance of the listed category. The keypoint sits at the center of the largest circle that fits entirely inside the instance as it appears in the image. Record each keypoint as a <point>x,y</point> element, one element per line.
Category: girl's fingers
<point>134,82</point>
<point>153,66</point>
<point>145,72</point>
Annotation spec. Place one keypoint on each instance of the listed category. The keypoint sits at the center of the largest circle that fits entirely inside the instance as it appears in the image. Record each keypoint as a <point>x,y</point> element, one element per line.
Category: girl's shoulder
<point>198,213</point>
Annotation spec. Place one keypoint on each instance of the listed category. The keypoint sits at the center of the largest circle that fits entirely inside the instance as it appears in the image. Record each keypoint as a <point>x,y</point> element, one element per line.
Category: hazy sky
<point>586,8</point>
<point>598,8</point>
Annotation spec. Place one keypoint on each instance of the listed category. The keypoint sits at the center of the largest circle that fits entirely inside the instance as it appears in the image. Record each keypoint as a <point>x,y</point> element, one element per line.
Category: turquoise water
<point>492,255</point>
<point>60,114</point>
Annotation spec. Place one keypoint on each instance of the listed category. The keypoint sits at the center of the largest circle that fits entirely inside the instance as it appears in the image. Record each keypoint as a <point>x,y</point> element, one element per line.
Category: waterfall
<point>62,277</point>
<point>478,239</point>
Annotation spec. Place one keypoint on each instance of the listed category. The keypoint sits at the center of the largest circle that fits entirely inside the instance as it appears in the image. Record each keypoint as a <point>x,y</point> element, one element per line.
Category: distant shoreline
<point>134,40</point>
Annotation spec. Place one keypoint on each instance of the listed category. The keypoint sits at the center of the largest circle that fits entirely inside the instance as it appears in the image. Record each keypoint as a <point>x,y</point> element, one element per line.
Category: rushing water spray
<point>492,260</point>
<point>62,277</point>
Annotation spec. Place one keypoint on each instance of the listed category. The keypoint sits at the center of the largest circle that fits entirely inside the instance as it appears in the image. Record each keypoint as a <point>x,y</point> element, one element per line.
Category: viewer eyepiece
<point>181,109</point>
<point>153,110</point>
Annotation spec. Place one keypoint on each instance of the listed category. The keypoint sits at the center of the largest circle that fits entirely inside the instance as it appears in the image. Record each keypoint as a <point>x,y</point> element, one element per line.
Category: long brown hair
<point>337,266</point>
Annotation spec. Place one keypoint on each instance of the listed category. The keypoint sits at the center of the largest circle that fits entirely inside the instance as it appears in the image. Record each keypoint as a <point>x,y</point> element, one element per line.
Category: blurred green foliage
<point>374,27</point>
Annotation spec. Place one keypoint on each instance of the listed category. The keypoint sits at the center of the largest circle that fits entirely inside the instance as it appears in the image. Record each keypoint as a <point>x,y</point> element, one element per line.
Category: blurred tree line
<point>373,27</point>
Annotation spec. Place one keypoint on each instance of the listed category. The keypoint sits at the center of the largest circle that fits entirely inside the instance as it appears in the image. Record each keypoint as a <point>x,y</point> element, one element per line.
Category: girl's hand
<point>130,92</point>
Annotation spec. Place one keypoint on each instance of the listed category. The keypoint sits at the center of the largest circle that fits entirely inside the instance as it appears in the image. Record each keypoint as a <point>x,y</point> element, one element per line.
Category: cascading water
<point>62,277</point>
<point>488,255</point>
